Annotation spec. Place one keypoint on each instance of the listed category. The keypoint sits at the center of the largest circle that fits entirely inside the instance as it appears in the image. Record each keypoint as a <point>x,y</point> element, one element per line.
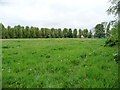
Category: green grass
<point>58,63</point>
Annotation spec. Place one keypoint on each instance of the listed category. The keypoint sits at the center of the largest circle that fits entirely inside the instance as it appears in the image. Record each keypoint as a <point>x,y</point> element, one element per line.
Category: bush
<point>111,42</point>
<point>113,39</point>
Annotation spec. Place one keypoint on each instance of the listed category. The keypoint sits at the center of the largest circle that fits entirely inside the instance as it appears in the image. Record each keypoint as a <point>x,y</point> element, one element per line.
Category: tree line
<point>35,32</point>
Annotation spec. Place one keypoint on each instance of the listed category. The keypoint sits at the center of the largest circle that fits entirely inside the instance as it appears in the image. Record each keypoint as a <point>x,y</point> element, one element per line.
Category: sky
<point>54,13</point>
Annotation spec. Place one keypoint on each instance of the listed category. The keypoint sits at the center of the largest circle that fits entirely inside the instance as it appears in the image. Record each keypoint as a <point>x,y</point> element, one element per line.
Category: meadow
<point>58,63</point>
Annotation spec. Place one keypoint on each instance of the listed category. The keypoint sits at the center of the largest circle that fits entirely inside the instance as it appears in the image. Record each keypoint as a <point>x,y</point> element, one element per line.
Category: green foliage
<point>75,33</point>
<point>99,31</point>
<point>90,34</point>
<point>60,34</point>
<point>58,63</point>
<point>110,42</point>
<point>70,35</point>
<point>43,32</point>
<point>47,33</point>
<point>115,8</point>
<point>80,33</point>
<point>2,31</point>
<point>37,32</point>
<point>52,33</point>
<point>34,32</point>
<point>108,30</point>
<point>56,33</point>
<point>85,33</point>
<point>113,39</point>
<point>28,33</point>
<point>65,32</point>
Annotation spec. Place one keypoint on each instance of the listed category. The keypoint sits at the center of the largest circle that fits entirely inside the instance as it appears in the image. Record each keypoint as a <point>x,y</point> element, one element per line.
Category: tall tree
<point>75,33</point>
<point>47,33</point>
<point>32,33</point>
<point>90,34</point>
<point>80,33</point>
<point>99,31</point>
<point>56,33</point>
<point>2,31</point>
<point>24,32</point>
<point>108,30</point>
<point>27,32</point>
<point>70,35</point>
<point>9,31</point>
<point>60,33</point>
<point>17,28</point>
<point>65,31</point>
<point>37,32</point>
<point>43,32</point>
<point>20,31</point>
<point>85,33</point>
<point>52,33</point>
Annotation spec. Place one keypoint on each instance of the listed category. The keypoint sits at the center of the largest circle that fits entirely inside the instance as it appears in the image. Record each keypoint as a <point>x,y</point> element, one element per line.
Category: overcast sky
<point>54,13</point>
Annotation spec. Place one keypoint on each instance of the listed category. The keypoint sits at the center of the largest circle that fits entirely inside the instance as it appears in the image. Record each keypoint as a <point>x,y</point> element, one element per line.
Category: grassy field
<point>58,63</point>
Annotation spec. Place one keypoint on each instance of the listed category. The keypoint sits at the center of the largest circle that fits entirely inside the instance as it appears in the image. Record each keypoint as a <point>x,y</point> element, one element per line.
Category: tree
<point>99,31</point>
<point>115,8</point>
<point>80,33</point>
<point>20,31</point>
<point>43,32</point>
<point>65,31</point>
<point>113,39</point>
<point>40,34</point>
<point>31,33</point>
<point>37,31</point>
<point>75,33</point>
<point>70,35</point>
<point>17,31</point>
<point>52,33</point>
<point>60,33</point>
<point>108,30</point>
<point>2,31</point>
<point>23,29</point>
<point>90,34</point>
<point>9,33</point>
<point>114,36</point>
<point>6,32</point>
<point>27,32</point>
<point>56,33</point>
<point>47,33</point>
<point>85,33</point>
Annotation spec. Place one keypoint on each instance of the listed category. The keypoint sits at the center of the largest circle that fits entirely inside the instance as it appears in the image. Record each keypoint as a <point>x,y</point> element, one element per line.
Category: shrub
<point>111,42</point>
<point>113,39</point>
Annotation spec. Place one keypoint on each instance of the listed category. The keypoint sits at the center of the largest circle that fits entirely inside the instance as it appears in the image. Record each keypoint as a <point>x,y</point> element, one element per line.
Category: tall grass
<point>58,63</point>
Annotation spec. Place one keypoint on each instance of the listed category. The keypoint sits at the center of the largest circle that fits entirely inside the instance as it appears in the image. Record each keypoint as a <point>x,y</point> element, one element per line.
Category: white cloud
<point>54,13</point>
